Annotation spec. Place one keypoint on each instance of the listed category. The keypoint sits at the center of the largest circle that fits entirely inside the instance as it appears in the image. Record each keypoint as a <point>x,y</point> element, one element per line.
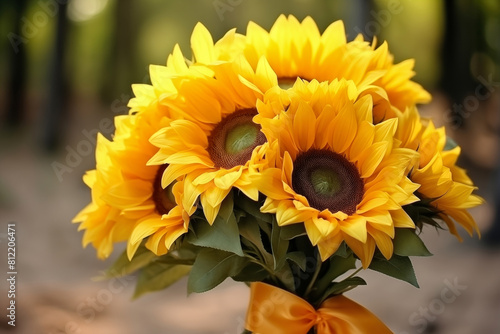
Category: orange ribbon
<point>276,311</point>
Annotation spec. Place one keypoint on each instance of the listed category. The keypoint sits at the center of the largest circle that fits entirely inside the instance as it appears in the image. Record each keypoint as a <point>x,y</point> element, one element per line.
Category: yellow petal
<point>202,44</point>
<point>210,211</point>
<point>127,194</point>
<point>176,60</point>
<point>323,126</point>
<point>402,219</point>
<point>191,193</point>
<point>381,217</point>
<point>329,246</point>
<point>288,214</point>
<point>371,158</point>
<point>364,250</point>
<point>227,180</point>
<point>192,156</point>
<point>265,76</point>
<point>344,129</point>
<point>355,226</point>
<point>270,184</point>
<point>364,139</point>
<point>383,241</point>
<point>372,201</point>
<point>334,36</point>
<point>304,124</point>
<point>173,172</point>
<point>215,195</point>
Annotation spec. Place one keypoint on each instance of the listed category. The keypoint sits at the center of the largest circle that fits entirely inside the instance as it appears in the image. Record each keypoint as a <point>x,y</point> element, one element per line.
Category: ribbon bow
<point>276,311</point>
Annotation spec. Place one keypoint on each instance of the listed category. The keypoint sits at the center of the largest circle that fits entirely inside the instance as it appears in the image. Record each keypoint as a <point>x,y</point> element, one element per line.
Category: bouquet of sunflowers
<point>289,160</point>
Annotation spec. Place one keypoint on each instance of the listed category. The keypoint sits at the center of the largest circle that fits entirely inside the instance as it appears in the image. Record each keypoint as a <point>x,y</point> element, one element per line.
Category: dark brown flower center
<point>163,198</point>
<point>232,141</point>
<point>286,82</point>
<point>328,181</point>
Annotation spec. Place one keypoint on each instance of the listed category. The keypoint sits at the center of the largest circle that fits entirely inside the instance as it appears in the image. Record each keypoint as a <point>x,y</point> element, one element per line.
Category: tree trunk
<point>54,109</point>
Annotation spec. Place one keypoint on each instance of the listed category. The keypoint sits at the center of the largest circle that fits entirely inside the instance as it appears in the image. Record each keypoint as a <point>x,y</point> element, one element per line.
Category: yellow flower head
<point>442,181</point>
<point>128,202</point>
<point>148,97</point>
<point>214,142</point>
<point>298,50</point>
<point>335,170</point>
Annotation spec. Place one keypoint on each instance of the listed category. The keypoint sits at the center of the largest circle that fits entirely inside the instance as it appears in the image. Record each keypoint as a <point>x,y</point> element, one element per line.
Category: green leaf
<point>251,273</point>
<point>253,208</point>
<point>408,243</point>
<point>186,254</point>
<point>279,246</point>
<point>286,277</point>
<point>343,251</point>
<point>227,207</point>
<point>293,231</point>
<point>223,234</point>
<point>212,267</point>
<point>299,258</point>
<point>399,267</point>
<point>265,227</point>
<point>123,266</point>
<point>251,232</point>
<point>337,267</point>
<point>341,287</point>
<point>158,276</point>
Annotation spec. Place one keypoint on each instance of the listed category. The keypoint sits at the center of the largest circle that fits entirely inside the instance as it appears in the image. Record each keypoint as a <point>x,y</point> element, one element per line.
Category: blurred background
<point>66,67</point>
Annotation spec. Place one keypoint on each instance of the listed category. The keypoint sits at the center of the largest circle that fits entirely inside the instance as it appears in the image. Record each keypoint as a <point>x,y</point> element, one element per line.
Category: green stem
<point>354,273</point>
<point>315,275</point>
<point>346,290</point>
<point>266,268</point>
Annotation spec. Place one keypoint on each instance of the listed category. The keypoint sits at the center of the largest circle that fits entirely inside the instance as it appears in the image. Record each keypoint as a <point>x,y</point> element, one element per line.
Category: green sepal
<point>223,234</point>
<point>212,267</point>
<point>424,213</point>
<point>399,267</point>
<point>450,144</point>
<point>293,231</point>
<point>158,276</point>
<point>408,243</point>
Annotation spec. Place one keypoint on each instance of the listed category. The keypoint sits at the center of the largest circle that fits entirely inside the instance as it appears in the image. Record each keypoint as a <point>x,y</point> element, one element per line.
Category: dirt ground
<point>56,293</point>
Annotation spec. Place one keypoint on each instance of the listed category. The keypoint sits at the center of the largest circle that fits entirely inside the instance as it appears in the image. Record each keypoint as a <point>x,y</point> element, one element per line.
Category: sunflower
<point>214,144</point>
<point>102,223</point>
<point>333,169</point>
<point>298,50</point>
<point>446,187</point>
<point>128,202</point>
<point>147,96</point>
